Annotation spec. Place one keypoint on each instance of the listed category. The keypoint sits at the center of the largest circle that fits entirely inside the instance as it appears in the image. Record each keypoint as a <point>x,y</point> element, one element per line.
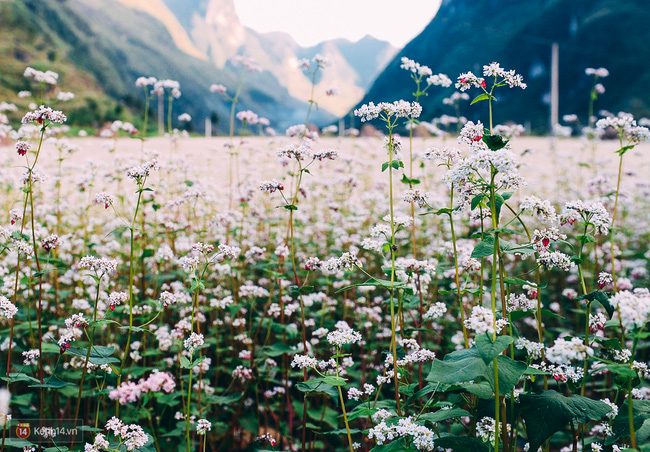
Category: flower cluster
<point>593,213</point>
<point>193,342</point>
<point>132,436</point>
<point>218,88</point>
<point>481,320</point>
<point>104,198</point>
<point>9,310</point>
<point>141,172</point>
<point>22,147</point>
<point>468,80</point>
<point>542,209</point>
<point>634,308</point>
<point>247,62</point>
<point>203,426</point>
<point>101,265</point>
<point>51,242</point>
<point>247,117</point>
<point>420,436</point>
<point>398,109</point>
<point>304,361</point>
<point>160,86</point>
<point>626,127</point>
<point>47,77</point>
<point>510,78</point>
<point>342,337</point>
<point>271,186</point>
<point>297,152</point>
<point>44,115</point>
<point>555,259</point>
<point>143,82</point>
<point>129,392</point>
<point>542,238</point>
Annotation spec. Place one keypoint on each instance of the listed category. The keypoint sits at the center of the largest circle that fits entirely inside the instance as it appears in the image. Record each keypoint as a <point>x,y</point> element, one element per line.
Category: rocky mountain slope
<point>467,34</point>
<point>100,47</point>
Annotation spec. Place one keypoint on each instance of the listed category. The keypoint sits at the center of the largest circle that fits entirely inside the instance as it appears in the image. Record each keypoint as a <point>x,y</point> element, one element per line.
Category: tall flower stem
<point>90,346</point>
<point>584,292</point>
<point>611,233</point>
<point>345,416</point>
<point>131,278</point>
<point>457,275</point>
<point>495,260</point>
<point>393,248</point>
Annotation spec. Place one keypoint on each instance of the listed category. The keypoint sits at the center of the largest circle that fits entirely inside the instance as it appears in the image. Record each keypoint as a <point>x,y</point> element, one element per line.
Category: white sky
<point>312,21</point>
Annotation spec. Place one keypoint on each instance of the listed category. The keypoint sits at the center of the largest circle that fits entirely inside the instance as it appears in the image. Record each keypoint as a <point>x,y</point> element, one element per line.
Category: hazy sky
<point>313,21</point>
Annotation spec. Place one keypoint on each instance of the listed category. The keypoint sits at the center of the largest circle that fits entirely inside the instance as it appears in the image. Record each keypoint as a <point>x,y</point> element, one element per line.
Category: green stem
<point>630,412</point>
<point>495,259</point>
<point>392,271</point>
<point>131,278</point>
<point>611,230</point>
<point>460,296</point>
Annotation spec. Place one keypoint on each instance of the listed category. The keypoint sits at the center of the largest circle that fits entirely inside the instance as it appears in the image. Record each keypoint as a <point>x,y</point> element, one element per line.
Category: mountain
<point>100,47</point>
<point>215,30</point>
<point>466,34</point>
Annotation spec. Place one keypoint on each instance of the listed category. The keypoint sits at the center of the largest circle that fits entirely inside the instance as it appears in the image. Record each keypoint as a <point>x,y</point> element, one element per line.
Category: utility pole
<point>555,81</point>
<point>161,116</point>
<point>208,128</point>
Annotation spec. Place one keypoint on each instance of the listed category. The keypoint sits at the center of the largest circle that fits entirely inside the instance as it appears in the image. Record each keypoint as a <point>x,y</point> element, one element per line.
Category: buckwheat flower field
<point>479,291</point>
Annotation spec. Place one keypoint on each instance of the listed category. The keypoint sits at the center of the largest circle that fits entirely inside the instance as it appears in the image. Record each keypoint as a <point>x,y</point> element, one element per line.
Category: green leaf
<point>53,382</point>
<point>587,238</point>
<point>482,390</point>
<point>443,211</point>
<point>334,381</point>
<point>443,415</point>
<point>342,431</point>
<point>494,142</point>
<point>185,363</point>
<point>361,411</point>
<point>319,386</point>
<point>458,366</point>
<point>375,282</point>
<point>512,248</point>
<point>484,248</point>
<point>600,297</point>
<point>17,443</point>
<point>461,444</point>
<point>277,349</point>
<point>550,411</point>
<point>395,446</point>
<point>624,149</point>
<point>622,370</point>
<point>510,371</point>
<point>14,376</point>
<point>522,282</point>
<point>490,350</point>
<point>481,97</point>
<point>549,313</point>
<point>476,200</point>
<point>641,419</point>
<point>384,166</point>
<point>103,322</point>
<point>223,399</point>
<point>533,371</point>
<point>290,207</point>
<point>98,354</point>
<point>197,361</point>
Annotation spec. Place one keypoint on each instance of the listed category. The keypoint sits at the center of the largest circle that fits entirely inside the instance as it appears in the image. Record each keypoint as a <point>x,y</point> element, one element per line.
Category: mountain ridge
<point>465,35</point>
